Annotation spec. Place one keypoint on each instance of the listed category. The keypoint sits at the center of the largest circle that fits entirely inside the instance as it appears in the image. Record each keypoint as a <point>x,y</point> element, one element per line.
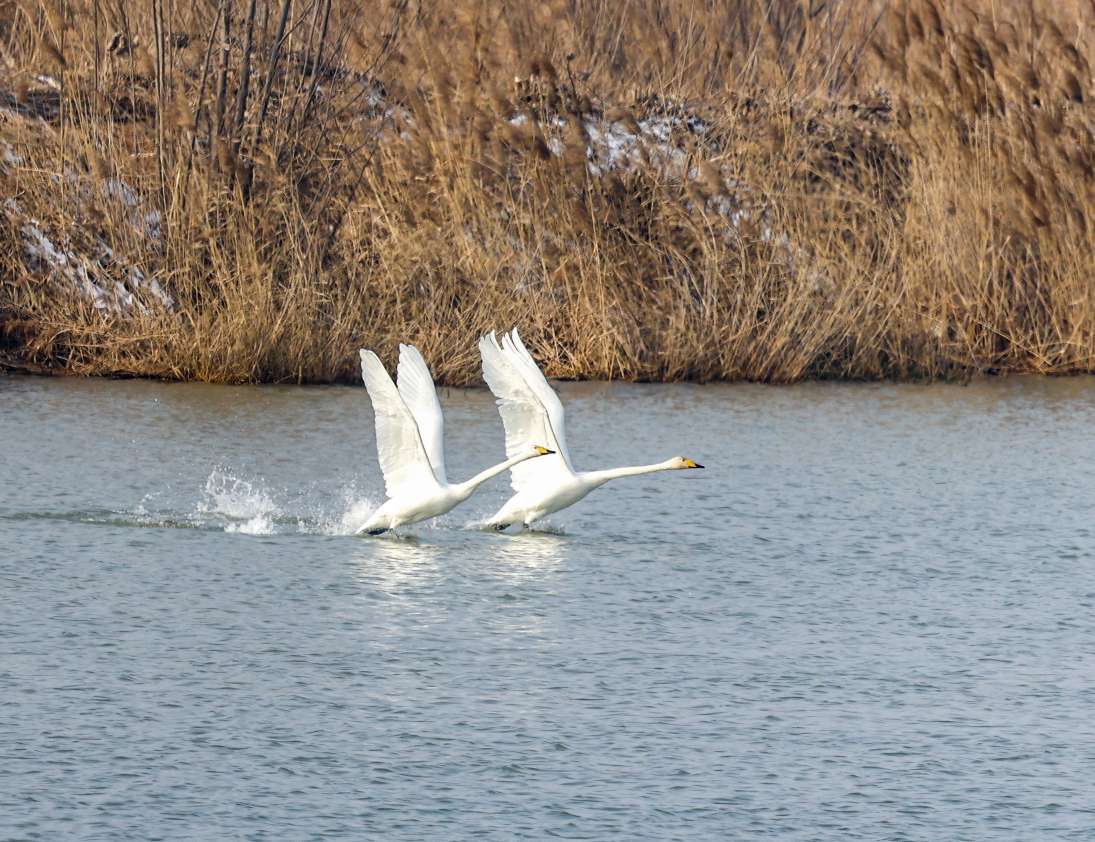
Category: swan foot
<point>375,531</point>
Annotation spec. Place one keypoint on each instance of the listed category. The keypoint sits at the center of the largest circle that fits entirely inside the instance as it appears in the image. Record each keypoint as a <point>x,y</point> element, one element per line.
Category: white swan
<point>531,411</point>
<point>410,444</point>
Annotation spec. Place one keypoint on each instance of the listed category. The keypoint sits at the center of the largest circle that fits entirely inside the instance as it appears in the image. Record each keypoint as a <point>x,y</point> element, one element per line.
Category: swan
<point>531,411</point>
<point>410,444</point>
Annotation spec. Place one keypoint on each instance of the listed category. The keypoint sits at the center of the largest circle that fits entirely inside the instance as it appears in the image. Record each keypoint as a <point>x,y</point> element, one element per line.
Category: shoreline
<point>10,368</point>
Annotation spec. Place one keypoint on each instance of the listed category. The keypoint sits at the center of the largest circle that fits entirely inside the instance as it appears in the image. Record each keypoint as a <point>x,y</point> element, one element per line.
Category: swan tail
<point>501,522</point>
<point>378,524</point>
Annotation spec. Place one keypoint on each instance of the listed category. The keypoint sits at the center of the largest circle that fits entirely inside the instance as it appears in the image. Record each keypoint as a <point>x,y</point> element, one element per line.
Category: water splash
<point>247,508</point>
<point>354,517</point>
<point>251,507</point>
<point>242,505</point>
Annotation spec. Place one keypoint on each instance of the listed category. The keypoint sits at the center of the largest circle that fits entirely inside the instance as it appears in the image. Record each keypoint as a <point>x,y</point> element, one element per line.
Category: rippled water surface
<point>871,617</point>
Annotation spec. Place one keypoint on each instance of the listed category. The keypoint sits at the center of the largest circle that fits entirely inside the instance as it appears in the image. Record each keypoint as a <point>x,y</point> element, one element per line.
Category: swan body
<point>531,411</point>
<point>531,504</point>
<point>410,444</point>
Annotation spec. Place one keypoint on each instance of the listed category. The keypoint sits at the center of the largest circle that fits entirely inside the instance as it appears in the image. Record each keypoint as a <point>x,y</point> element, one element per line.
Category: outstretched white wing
<point>527,420</point>
<point>415,384</point>
<point>399,446</point>
<point>547,396</point>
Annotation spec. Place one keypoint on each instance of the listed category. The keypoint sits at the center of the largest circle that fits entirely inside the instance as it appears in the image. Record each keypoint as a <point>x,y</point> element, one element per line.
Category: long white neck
<point>601,477</point>
<point>465,489</point>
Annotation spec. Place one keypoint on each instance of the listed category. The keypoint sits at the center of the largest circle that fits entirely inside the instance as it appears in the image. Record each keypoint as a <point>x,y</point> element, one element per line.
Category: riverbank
<point>251,192</point>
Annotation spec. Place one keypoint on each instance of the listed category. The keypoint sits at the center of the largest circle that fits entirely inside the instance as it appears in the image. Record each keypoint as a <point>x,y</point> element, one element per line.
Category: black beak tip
<point>698,465</point>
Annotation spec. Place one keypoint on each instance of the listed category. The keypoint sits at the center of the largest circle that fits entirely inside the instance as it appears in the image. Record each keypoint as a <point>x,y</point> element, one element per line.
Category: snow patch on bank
<point>91,269</point>
<point>674,146</point>
<point>9,156</point>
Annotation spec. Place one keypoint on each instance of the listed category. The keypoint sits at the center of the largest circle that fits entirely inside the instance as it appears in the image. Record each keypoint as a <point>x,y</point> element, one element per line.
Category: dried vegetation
<point>250,190</point>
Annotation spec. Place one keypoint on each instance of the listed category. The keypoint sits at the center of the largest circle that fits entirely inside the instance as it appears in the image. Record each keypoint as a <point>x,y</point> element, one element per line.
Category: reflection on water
<point>392,561</point>
<point>866,620</point>
<point>529,554</point>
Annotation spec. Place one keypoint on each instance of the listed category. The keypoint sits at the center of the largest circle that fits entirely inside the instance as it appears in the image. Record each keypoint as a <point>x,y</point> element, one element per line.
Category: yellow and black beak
<point>688,463</point>
<point>543,451</point>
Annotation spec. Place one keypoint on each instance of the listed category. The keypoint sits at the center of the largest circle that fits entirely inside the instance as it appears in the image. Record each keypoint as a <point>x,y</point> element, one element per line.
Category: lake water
<point>870,618</point>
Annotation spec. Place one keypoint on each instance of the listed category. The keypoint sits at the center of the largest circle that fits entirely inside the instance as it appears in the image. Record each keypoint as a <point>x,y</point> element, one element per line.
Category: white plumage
<point>532,412</point>
<point>410,444</point>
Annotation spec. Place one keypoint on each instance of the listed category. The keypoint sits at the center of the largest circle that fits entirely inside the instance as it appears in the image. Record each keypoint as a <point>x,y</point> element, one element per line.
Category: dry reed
<point>249,190</point>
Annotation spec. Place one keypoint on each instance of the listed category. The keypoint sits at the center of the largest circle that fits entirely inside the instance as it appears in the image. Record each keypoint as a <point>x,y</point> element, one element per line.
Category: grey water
<point>871,617</point>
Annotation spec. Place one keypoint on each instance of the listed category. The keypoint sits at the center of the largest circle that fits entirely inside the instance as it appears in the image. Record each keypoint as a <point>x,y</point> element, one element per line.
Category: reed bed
<point>250,190</point>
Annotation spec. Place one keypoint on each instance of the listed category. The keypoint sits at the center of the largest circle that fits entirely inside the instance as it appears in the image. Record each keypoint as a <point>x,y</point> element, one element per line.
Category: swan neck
<point>466,488</point>
<point>601,477</point>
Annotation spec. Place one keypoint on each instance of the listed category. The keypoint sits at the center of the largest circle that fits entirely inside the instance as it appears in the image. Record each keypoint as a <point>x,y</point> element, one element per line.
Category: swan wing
<point>415,385</point>
<point>537,383</point>
<point>525,418</point>
<point>403,459</point>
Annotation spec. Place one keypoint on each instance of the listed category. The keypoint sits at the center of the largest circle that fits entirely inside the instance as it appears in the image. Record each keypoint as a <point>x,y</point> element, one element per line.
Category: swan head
<point>679,463</point>
<point>541,451</point>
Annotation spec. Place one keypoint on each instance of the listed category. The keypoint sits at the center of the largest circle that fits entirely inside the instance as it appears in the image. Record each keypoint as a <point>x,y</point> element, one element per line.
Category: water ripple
<point>870,623</point>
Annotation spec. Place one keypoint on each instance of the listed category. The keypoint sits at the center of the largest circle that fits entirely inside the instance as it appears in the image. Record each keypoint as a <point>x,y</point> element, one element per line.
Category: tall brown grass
<point>843,188</point>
